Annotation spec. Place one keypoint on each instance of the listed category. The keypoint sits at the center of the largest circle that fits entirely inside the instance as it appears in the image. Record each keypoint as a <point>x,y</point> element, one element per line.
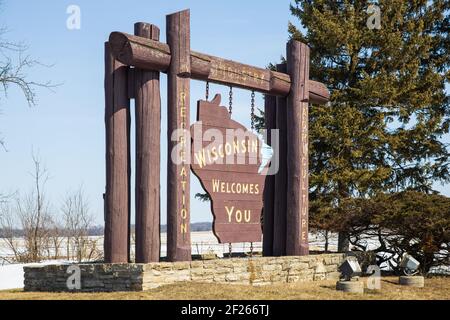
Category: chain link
<point>251,249</point>
<point>230,107</point>
<point>252,115</point>
<point>230,250</point>
<point>207,90</point>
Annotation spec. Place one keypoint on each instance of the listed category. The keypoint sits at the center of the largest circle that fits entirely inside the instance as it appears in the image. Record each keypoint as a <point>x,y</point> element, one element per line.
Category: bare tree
<point>14,63</point>
<point>9,235</point>
<point>33,212</point>
<point>55,238</point>
<point>78,221</point>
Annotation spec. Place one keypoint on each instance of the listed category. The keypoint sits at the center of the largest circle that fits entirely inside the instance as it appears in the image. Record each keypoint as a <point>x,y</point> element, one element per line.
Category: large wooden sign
<point>227,159</point>
<point>225,155</point>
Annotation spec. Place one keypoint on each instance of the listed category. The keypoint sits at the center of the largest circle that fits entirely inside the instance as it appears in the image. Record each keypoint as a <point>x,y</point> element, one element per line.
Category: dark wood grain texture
<point>148,133</point>
<point>116,244</point>
<point>178,108</point>
<point>270,105</point>
<point>153,55</point>
<point>281,199</point>
<point>297,149</point>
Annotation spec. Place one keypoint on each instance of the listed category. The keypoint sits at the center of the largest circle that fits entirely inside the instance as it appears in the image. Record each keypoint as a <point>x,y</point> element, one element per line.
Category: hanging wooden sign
<point>229,166</point>
<point>227,159</point>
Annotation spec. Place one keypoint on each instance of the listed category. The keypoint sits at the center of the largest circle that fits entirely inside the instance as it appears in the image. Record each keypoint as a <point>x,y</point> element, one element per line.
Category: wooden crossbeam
<point>153,55</point>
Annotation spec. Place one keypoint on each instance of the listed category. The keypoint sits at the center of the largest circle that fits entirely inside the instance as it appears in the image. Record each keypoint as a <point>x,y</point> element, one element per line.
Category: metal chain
<point>251,249</point>
<point>207,90</point>
<point>230,250</point>
<point>253,110</point>
<point>230,108</point>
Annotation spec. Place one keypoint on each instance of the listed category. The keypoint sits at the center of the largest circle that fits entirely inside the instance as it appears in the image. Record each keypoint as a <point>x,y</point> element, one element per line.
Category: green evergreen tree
<point>382,130</point>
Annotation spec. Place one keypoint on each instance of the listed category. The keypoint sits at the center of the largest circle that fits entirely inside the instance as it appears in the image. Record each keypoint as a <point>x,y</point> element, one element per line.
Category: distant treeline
<point>98,230</point>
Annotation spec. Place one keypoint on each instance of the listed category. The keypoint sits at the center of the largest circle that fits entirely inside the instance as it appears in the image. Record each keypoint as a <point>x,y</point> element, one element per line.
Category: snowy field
<point>11,275</point>
<point>202,242</point>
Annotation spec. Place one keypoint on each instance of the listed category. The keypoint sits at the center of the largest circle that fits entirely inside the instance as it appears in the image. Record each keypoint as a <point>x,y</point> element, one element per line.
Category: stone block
<point>298,266</point>
<point>151,266</point>
<point>196,264</point>
<point>240,269</point>
<point>293,279</point>
<point>222,270</point>
<point>92,284</point>
<point>232,277</point>
<point>209,265</point>
<point>245,276</point>
<point>197,271</point>
<point>320,276</point>
<point>332,268</point>
<point>333,275</point>
<point>181,265</point>
<point>275,261</point>
<point>224,263</point>
<point>272,267</point>
<point>150,286</point>
<point>163,266</point>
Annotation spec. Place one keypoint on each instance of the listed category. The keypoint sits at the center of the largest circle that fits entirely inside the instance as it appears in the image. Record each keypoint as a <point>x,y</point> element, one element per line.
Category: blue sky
<point>67,126</point>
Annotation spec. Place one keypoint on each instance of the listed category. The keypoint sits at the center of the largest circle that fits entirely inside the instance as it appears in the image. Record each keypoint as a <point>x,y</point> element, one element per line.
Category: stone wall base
<point>139,277</point>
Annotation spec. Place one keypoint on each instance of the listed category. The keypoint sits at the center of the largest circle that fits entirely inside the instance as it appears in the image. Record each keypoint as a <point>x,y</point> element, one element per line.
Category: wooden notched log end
<point>318,92</point>
<point>296,45</point>
<point>280,82</point>
<point>184,74</point>
<point>120,47</point>
<point>146,30</point>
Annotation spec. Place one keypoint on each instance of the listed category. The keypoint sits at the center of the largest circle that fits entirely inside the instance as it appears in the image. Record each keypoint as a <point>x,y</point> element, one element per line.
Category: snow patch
<point>11,276</point>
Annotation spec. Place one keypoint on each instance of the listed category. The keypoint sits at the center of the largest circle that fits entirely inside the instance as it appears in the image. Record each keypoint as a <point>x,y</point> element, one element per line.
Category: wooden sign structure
<point>132,67</point>
<point>227,159</point>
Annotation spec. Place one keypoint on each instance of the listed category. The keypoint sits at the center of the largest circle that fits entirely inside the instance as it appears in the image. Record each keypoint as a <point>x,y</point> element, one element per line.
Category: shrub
<point>409,221</point>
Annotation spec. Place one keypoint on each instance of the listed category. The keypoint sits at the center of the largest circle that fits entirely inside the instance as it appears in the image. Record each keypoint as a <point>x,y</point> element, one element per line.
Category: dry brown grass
<point>435,288</point>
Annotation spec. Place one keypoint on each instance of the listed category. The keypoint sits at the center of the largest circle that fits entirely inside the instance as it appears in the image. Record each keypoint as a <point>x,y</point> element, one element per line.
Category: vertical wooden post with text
<point>117,108</point>
<point>148,132</point>
<point>178,168</point>
<point>297,149</point>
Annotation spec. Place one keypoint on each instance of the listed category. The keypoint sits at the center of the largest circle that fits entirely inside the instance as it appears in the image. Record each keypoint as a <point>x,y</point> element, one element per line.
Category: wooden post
<point>148,132</point>
<point>297,149</point>
<point>130,73</point>
<point>280,201</point>
<point>117,106</point>
<point>178,169</point>
<point>270,104</point>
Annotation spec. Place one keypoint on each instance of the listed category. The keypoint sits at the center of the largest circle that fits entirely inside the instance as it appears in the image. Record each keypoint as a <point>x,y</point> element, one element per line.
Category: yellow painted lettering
<point>184,213</point>
<point>200,156</point>
<point>229,212</point>
<point>215,184</point>
<point>247,215</point>
<point>238,216</point>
